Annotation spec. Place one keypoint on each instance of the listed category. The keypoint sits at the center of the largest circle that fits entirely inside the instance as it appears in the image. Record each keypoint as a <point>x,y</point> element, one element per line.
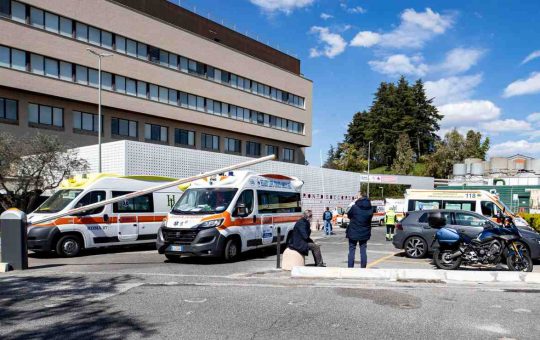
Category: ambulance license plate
<point>176,248</point>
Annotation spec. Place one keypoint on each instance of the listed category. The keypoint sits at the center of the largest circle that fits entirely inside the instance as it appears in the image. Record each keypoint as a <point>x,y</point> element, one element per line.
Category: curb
<point>415,275</point>
<point>4,267</point>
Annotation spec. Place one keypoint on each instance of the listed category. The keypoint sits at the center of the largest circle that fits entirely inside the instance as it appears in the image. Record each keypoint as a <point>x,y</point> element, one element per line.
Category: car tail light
<point>399,226</point>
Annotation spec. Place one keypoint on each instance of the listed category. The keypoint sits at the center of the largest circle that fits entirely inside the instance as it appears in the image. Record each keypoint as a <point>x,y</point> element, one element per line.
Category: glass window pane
<point>217,75</point>
<point>36,17</point>
<point>120,84</point>
<point>153,53</point>
<point>114,126</point>
<point>81,31</point>
<point>192,66</point>
<point>81,74</point>
<point>33,115</point>
<point>173,97</point>
<point>163,94</point>
<point>217,107</point>
<point>96,123</point>
<point>51,68</point>
<point>200,104</point>
<point>131,47</point>
<point>173,60</point>
<point>147,131</point>
<point>93,78</point>
<point>233,80</point>
<point>94,36</point>
<point>154,92</point>
<point>209,106</point>
<point>45,115</point>
<point>183,64</point>
<point>120,44</point>
<point>2,111</point>
<point>18,59</point>
<point>106,39</point>
<point>156,130</point>
<point>36,62</point>
<point>183,99</point>
<point>164,134</point>
<point>58,117</point>
<point>4,56</point>
<point>87,121</point>
<point>192,102</point>
<point>131,87</point>
<point>66,27</point>
<point>18,11</point>
<point>142,51</point>
<point>66,71</point>
<point>77,120</point>
<point>106,80</point>
<point>11,109</point>
<point>51,22</point>
<point>123,127</point>
<point>191,138</point>
<point>132,128</point>
<point>163,58</point>
<point>141,89</point>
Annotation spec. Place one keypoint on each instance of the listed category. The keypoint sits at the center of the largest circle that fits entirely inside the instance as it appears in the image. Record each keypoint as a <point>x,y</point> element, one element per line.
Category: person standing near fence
<point>390,221</point>
<point>327,218</point>
<point>359,229</point>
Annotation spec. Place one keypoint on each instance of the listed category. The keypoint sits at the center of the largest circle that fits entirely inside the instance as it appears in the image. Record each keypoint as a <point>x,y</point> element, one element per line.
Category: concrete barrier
<point>292,258</point>
<point>4,267</point>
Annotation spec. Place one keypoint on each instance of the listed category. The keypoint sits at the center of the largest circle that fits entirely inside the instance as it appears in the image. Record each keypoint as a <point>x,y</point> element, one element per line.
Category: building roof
<point>182,18</point>
<point>518,155</point>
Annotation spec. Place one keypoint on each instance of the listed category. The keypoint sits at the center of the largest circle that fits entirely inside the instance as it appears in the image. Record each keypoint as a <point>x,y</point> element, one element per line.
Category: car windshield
<point>507,210</point>
<point>58,201</point>
<point>204,201</point>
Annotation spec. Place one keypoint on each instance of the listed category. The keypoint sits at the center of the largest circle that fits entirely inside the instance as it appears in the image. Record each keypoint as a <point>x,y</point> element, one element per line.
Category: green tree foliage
<point>454,148</point>
<point>404,162</point>
<point>32,165</point>
<point>346,157</point>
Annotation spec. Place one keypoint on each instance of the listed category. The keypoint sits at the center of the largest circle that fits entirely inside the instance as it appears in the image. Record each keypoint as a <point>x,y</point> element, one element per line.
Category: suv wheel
<point>415,247</point>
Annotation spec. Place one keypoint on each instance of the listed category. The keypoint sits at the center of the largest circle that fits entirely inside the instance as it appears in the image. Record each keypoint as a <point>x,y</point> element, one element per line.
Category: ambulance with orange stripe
<point>132,221</point>
<point>226,215</point>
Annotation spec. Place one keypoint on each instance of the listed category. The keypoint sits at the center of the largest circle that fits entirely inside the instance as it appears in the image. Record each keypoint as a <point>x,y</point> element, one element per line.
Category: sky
<point>480,60</point>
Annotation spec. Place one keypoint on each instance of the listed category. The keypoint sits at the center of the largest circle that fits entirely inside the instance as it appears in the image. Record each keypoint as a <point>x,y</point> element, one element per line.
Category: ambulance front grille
<point>180,236</point>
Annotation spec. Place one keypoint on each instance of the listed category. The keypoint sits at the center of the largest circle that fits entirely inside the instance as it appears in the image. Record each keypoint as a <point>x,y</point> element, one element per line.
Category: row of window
<point>31,62</point>
<point>84,121</point>
<point>95,36</point>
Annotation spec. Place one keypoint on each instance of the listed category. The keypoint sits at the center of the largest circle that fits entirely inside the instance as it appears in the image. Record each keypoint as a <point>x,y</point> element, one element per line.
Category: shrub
<point>533,220</point>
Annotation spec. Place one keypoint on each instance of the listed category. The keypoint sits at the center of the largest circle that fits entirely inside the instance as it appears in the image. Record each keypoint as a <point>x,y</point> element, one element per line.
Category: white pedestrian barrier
<point>292,258</point>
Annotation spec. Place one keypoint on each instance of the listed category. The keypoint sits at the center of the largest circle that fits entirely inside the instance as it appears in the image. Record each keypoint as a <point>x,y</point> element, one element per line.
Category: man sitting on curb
<point>302,243</point>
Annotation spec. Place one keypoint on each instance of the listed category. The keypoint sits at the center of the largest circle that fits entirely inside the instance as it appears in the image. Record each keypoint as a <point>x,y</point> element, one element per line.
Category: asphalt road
<point>136,293</point>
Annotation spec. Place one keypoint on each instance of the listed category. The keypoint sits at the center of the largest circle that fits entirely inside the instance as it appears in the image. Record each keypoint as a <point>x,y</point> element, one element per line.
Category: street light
<point>99,55</point>
<point>382,192</point>
<point>368,163</point>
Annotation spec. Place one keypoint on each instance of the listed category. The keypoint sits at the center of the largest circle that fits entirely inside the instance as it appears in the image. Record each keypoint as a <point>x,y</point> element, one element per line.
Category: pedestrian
<point>302,243</point>
<point>390,221</point>
<point>359,229</point>
<point>327,218</point>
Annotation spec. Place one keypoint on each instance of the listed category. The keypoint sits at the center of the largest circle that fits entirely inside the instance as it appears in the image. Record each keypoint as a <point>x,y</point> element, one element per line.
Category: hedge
<point>533,220</point>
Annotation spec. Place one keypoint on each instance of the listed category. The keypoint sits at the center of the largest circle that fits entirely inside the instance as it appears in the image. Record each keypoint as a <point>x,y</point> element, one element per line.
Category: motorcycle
<point>490,247</point>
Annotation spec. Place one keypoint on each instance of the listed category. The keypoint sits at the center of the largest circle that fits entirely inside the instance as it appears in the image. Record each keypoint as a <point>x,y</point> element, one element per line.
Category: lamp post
<point>99,55</point>
<point>368,164</point>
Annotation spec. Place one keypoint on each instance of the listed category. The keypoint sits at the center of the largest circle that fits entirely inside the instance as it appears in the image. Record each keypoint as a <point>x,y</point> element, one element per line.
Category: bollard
<point>14,235</point>
<point>278,261</point>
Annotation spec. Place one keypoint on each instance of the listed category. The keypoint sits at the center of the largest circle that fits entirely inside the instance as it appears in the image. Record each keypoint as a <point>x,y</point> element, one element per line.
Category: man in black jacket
<point>359,229</point>
<point>302,243</point>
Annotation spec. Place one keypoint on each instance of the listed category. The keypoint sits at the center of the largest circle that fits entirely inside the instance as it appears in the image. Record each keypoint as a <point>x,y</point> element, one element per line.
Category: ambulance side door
<point>95,223</point>
<point>247,221</point>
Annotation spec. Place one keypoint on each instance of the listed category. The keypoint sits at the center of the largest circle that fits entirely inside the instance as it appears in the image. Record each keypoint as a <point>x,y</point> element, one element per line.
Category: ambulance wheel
<point>232,250</point>
<point>69,246</point>
<point>172,258</point>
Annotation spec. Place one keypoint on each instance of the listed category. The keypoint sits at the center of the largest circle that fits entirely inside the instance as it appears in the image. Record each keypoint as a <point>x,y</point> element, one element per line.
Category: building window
<point>51,68</point>
<point>5,8</point>
<point>66,27</point>
<point>156,132</point>
<point>45,115</point>
<point>52,22</point>
<point>209,142</point>
<point>9,109</point>
<point>124,127</point>
<point>18,12</point>
<point>81,32</point>
<point>184,137</point>
<point>36,17</point>
<point>288,155</point>
<point>37,64</point>
<point>253,149</point>
<point>233,145</point>
<point>85,121</point>
<point>272,150</point>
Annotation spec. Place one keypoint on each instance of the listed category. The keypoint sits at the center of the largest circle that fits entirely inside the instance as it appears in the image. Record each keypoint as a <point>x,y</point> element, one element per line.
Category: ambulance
<point>378,212</point>
<point>132,221</point>
<point>397,205</point>
<point>479,201</point>
<point>223,216</point>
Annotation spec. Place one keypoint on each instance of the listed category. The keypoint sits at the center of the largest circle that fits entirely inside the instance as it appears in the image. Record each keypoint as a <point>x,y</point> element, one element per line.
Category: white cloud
<point>414,30</point>
<point>468,112</point>
<point>460,59</point>
<point>506,125</point>
<point>520,87</point>
<point>366,39</point>
<point>354,10</point>
<point>400,64</point>
<point>452,89</point>
<point>531,56</point>
<point>326,16</point>
<point>285,6</point>
<point>534,117</point>
<point>512,147</point>
<point>333,43</point>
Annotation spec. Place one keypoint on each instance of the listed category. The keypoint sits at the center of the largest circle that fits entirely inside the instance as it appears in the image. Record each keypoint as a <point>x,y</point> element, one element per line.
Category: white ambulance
<point>479,201</point>
<point>226,215</point>
<point>132,221</point>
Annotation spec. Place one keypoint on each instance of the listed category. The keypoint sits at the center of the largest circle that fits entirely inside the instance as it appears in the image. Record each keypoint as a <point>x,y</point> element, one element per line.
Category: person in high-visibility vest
<point>390,221</point>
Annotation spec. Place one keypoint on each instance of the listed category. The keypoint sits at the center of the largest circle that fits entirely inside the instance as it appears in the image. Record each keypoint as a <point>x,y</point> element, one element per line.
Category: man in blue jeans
<point>327,218</point>
<point>359,230</point>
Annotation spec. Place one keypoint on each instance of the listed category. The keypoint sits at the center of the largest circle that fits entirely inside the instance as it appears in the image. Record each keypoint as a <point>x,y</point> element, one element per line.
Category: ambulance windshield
<point>58,201</point>
<point>204,201</point>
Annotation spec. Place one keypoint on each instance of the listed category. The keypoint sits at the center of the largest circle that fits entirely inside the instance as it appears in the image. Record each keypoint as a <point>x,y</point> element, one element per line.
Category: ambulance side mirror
<point>241,210</point>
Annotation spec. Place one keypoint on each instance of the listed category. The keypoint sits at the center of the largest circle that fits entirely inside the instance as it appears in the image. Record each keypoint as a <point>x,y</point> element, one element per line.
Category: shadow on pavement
<point>258,254</point>
<point>49,307</point>
<point>99,251</point>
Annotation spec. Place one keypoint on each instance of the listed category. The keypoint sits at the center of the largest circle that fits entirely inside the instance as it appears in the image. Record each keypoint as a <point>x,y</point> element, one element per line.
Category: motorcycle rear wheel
<point>442,260</point>
<point>523,264</point>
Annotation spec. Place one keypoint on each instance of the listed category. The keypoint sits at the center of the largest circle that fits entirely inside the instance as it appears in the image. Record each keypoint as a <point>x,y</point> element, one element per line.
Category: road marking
<point>382,259</point>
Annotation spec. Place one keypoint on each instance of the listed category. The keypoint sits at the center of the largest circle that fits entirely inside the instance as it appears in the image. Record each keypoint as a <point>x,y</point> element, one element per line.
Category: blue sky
<point>479,59</point>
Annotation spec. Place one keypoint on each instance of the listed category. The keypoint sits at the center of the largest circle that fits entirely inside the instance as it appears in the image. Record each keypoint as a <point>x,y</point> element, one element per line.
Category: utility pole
<point>368,165</point>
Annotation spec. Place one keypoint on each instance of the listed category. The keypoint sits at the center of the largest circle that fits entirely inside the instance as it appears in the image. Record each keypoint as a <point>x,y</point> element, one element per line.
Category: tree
<point>32,165</point>
<point>346,157</point>
<point>474,147</point>
<point>403,163</point>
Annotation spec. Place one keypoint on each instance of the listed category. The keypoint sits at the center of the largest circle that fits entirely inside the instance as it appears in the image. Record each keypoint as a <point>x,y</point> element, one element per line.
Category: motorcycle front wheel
<point>519,264</point>
<point>443,261</point>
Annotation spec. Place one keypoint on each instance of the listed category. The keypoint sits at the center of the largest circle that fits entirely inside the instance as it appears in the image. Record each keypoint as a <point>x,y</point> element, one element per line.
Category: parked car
<point>415,236</point>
